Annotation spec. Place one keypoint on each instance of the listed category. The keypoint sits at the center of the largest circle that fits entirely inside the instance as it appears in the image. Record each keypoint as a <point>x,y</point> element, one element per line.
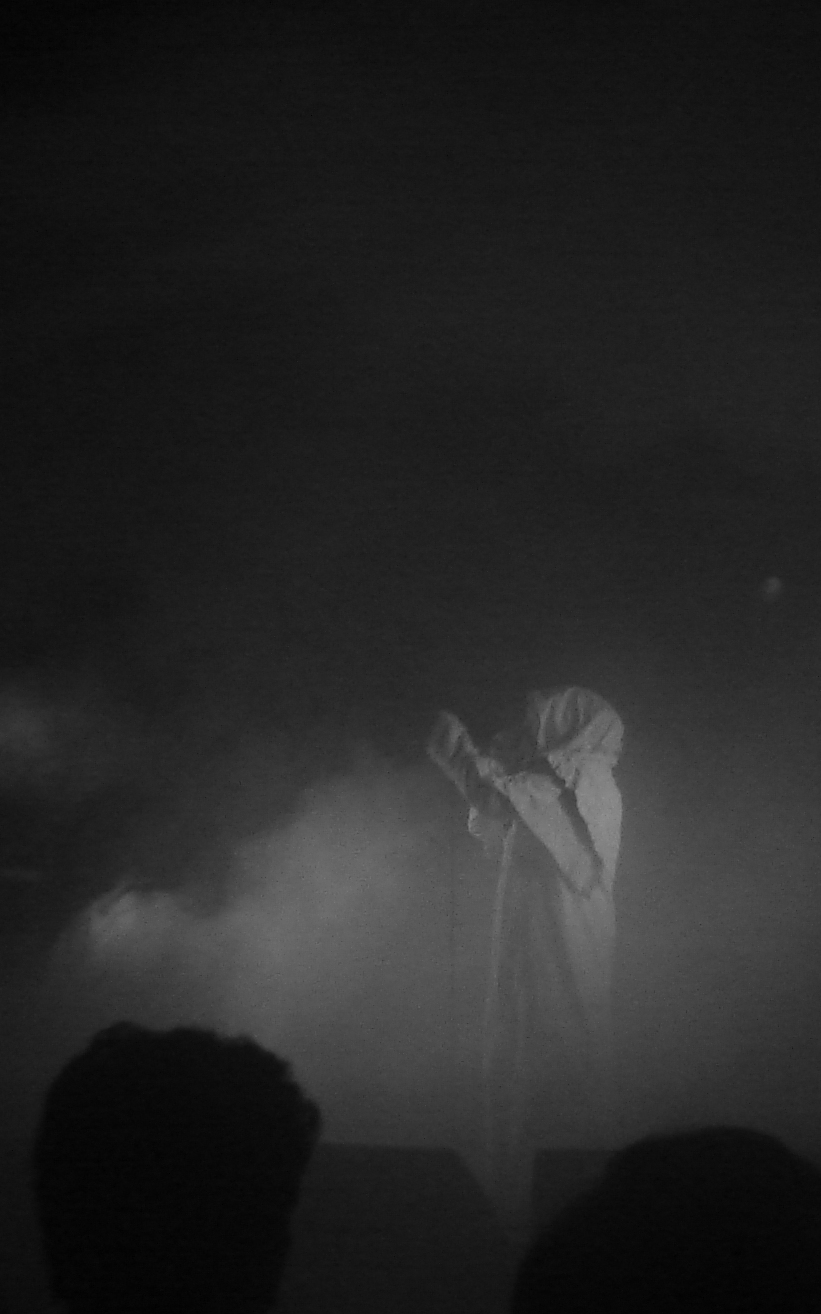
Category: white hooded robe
<point>544,801</point>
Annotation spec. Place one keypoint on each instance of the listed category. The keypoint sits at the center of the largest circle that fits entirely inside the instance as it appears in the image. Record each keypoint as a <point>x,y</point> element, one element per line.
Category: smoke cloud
<point>331,941</point>
<point>350,932</point>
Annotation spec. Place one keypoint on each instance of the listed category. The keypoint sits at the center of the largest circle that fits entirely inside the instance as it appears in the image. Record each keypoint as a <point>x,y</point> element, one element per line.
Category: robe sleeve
<point>476,776</point>
<point>577,819</point>
<point>542,806</point>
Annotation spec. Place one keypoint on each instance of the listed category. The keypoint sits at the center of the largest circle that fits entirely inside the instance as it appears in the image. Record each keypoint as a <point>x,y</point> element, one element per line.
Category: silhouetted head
<point>719,1221</point>
<point>167,1166</point>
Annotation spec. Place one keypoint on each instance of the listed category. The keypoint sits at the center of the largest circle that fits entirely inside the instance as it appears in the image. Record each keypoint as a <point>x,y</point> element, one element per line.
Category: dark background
<point>360,362</point>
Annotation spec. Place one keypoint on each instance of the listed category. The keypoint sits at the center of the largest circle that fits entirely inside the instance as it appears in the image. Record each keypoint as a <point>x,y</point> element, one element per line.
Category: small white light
<point>772,588</point>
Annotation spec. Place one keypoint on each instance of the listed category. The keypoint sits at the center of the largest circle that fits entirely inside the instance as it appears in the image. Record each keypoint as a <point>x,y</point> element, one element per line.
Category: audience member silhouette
<point>166,1167</point>
<point>718,1221</point>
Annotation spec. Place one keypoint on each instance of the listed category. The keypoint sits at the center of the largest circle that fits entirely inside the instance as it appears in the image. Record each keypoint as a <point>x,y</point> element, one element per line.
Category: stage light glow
<point>772,588</point>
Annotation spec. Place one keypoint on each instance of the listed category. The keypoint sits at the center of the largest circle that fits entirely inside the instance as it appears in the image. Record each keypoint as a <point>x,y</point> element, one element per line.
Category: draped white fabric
<point>544,802</point>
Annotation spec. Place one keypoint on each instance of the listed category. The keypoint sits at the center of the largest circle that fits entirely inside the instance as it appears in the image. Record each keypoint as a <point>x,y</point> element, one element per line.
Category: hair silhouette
<point>167,1166</point>
<point>716,1221</point>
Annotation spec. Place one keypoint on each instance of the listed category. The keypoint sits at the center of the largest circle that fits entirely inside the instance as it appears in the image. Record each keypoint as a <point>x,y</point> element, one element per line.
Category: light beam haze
<point>331,944</point>
<point>353,937</point>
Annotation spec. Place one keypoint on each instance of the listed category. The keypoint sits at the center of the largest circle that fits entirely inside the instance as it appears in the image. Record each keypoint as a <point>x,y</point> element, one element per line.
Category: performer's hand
<point>446,737</point>
<point>489,830</point>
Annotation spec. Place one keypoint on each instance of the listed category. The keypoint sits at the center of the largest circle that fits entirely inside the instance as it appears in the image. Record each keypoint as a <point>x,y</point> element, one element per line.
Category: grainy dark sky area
<point>360,361</point>
<point>384,322</point>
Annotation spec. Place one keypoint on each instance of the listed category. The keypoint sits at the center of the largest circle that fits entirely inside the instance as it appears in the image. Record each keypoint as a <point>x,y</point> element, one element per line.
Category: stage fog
<point>352,936</point>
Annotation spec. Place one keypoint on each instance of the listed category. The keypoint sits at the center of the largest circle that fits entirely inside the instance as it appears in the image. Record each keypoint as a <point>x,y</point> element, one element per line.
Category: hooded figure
<point>544,803</point>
